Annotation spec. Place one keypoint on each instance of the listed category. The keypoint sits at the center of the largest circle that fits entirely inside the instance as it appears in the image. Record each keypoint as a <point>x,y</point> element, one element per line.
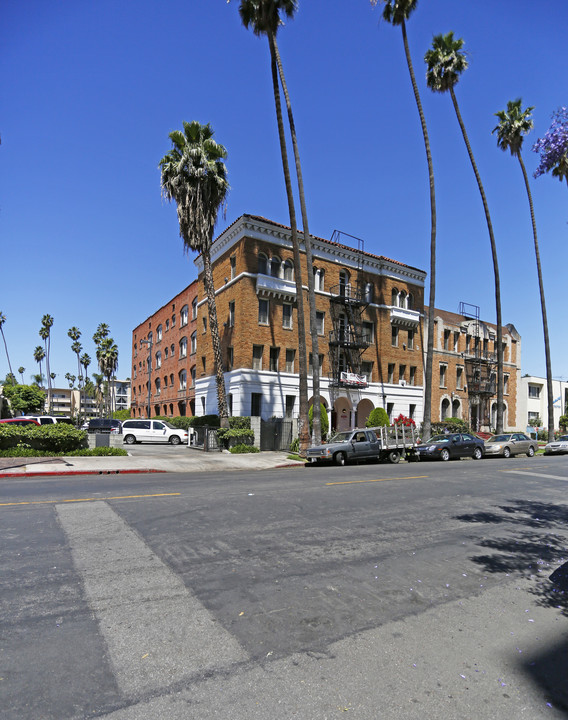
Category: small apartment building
<point>164,352</point>
<point>368,320</point>
<point>464,369</point>
<point>533,401</point>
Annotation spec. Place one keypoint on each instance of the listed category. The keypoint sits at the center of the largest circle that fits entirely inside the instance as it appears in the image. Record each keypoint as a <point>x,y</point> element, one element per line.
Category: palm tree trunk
<point>47,370</point>
<point>549,388</point>
<point>216,343</point>
<point>316,435</point>
<point>7,356</point>
<point>303,423</point>
<point>499,423</point>
<point>427,422</point>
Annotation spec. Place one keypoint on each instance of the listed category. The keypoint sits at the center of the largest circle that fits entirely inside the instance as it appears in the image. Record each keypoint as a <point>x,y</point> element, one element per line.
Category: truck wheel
<point>394,456</point>
<point>340,458</point>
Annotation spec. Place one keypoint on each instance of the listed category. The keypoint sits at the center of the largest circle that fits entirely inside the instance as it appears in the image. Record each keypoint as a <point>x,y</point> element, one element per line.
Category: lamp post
<point>149,343</point>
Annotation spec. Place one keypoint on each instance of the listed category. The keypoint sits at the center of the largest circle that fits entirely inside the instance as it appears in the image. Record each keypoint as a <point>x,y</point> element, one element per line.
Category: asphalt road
<point>375,591</point>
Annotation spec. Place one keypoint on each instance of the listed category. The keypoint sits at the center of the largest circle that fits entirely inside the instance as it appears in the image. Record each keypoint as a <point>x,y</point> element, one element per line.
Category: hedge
<point>57,438</point>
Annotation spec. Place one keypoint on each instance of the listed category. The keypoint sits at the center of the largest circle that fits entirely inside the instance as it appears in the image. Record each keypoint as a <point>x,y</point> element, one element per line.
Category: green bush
<point>21,451</point>
<point>182,422</point>
<point>295,445</point>
<point>324,420</point>
<point>239,423</point>
<point>229,437</point>
<point>453,425</point>
<point>211,420</point>
<point>57,438</point>
<point>377,418</point>
<point>242,448</point>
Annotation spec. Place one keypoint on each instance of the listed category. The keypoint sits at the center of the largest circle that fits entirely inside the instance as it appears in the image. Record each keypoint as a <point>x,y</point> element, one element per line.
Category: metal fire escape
<point>347,339</point>
<point>479,369</point>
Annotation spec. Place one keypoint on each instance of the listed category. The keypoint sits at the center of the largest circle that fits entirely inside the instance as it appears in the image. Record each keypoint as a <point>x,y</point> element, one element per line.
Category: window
<point>194,309</point>
<point>367,370</point>
<point>390,408</point>
<point>193,375</point>
<point>167,325</point>
<point>205,323</point>
<point>255,404</point>
<point>183,347</point>
<point>456,341</point>
<point>402,299</point>
<point>263,312</point>
<point>320,320</point>
<point>394,336</point>
<point>158,359</point>
<point>274,354</point>
<point>173,321</point>
<point>193,342</point>
<point>401,372</point>
<point>166,353</point>
<point>203,364</point>
<point>410,341</point>
<point>533,416</point>
<point>394,297</point>
<point>505,384</point>
<point>412,375</point>
<point>182,379</point>
<point>183,316</point>
<point>172,349</point>
<point>233,261</point>
<point>257,351</point>
<point>159,334</point>
<point>368,332</point>
<point>230,356</point>
<point>445,408</point>
<point>468,344</point>
<point>232,313</point>
<point>287,316</point>
<point>230,404</point>
<point>262,264</point>
<point>443,369</point>
<point>410,302</point>
<point>534,391</point>
<point>289,270</point>
<point>369,292</point>
<point>311,364</point>
<point>459,378</point>
<point>290,357</point>
<point>319,277</point>
<point>485,346</point>
<point>171,378</point>
<point>344,284</point>
<point>290,402</point>
<point>446,339</point>
<point>158,384</point>
<point>275,266</point>
<point>165,381</point>
<point>411,411</point>
<point>390,373</point>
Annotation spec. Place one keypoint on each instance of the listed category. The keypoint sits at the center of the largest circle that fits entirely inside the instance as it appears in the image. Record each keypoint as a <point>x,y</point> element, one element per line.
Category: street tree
<point>553,147</point>
<point>45,334</point>
<point>2,321</point>
<point>39,356</point>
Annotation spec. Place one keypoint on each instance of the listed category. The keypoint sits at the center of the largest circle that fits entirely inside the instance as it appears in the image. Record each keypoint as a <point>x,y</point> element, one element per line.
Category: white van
<point>49,419</point>
<point>134,431</point>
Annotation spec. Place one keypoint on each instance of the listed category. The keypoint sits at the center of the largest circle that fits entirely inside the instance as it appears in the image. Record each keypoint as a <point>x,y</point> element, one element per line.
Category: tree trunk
<point>499,423</point>
<point>303,422</point>
<point>427,422</point>
<point>549,388</point>
<point>215,341</point>
<point>7,356</point>
<point>316,423</point>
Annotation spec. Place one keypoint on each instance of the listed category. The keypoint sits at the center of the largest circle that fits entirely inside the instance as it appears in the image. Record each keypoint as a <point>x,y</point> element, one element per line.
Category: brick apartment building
<point>464,369</point>
<point>172,332</point>
<point>370,314</point>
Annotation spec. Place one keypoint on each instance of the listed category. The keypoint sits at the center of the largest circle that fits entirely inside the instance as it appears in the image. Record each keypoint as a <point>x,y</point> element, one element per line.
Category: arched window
<point>165,381</point>
<point>194,309</point>
<point>410,302</point>
<point>456,409</point>
<point>289,270</point>
<point>183,347</point>
<point>394,297</point>
<point>319,277</point>
<point>262,264</point>
<point>158,383</point>
<point>445,408</point>
<point>344,285</point>
<point>402,299</point>
<point>368,292</point>
<point>158,359</point>
<point>159,334</point>
<point>183,316</point>
<point>194,342</point>
<point>182,379</point>
<point>275,266</point>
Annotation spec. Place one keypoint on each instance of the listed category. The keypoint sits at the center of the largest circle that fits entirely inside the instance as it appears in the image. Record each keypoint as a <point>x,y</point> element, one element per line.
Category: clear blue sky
<point>90,91</point>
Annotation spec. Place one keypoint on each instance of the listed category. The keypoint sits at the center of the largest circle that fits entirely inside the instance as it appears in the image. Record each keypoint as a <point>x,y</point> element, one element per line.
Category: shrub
<point>378,417</point>
<point>211,420</point>
<point>182,422</point>
<point>57,438</point>
<point>295,445</point>
<point>229,437</point>
<point>324,420</point>
<point>403,420</point>
<point>453,425</point>
<point>242,448</point>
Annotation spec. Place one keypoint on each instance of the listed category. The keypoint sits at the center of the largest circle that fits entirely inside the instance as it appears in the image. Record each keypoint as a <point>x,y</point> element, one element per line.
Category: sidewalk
<point>193,461</point>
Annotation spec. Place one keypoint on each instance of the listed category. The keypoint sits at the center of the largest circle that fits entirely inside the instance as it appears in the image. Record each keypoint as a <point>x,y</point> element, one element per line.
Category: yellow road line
<point>77,500</point>
<point>351,482</point>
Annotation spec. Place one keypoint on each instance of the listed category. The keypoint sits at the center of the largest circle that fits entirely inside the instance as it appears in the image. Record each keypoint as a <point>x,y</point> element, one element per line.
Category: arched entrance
<point>363,411</point>
<point>342,411</point>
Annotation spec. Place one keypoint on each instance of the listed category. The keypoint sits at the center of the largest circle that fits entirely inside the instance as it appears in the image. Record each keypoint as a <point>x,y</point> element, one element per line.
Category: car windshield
<point>169,425</point>
<point>562,438</point>
<point>340,437</point>
<point>440,439</point>
<point>499,438</point>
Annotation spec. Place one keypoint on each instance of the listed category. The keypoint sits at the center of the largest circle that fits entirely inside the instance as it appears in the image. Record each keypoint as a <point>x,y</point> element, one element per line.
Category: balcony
<point>404,318</point>
<point>276,287</point>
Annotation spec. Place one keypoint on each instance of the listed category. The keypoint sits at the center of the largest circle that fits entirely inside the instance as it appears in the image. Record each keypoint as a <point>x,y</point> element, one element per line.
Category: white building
<point>533,400</point>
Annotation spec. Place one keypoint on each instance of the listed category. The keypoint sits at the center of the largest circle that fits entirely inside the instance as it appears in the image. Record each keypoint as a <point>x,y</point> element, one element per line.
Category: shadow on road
<point>533,545</point>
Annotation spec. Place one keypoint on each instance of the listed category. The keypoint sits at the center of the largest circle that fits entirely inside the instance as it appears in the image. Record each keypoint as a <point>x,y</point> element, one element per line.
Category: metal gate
<point>275,434</point>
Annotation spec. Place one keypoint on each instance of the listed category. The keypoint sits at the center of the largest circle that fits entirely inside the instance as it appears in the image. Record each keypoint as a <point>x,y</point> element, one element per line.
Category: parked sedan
<point>509,444</point>
<point>451,446</point>
<point>557,447</point>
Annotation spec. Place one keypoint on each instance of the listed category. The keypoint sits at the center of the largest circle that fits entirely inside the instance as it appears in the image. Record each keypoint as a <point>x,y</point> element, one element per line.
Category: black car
<point>104,425</point>
<point>452,446</point>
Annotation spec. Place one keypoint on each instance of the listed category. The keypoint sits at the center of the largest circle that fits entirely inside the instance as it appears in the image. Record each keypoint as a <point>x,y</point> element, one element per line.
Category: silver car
<point>508,444</point>
<point>557,447</point>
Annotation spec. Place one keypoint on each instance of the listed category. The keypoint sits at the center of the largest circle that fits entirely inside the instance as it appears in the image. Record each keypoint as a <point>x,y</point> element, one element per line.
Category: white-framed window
<point>412,375</point>
<point>311,363</point>
<point>410,340</point>
<point>287,316</point>
<point>456,341</point>
<point>183,379</point>
<point>459,378</point>
<point>159,334</point>
<point>183,347</point>
<point>158,359</point>
<point>394,297</point>
<point>262,311</point>
<point>183,316</point>
<point>194,342</point>
<point>534,391</point>
<point>367,370</point>
<point>257,351</point>
<point>320,322</point>
<point>275,266</point>
<point>446,339</point>
<point>319,279</point>
<point>505,384</point>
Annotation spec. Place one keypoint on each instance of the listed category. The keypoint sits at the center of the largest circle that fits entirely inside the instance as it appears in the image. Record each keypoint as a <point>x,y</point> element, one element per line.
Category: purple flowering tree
<point>553,147</point>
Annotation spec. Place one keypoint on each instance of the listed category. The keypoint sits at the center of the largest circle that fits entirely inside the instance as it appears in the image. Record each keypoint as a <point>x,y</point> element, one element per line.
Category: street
<point>406,591</point>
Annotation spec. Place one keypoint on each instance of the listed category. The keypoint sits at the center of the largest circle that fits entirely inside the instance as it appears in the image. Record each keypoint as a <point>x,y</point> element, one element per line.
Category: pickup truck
<point>365,444</point>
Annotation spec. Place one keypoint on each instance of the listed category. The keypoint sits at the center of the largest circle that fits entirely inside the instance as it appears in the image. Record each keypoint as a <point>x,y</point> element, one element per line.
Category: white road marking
<point>156,631</point>
<point>534,474</point>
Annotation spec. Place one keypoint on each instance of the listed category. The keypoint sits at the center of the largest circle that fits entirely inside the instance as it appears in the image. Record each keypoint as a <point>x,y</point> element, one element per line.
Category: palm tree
<point>107,356</point>
<point>446,61</point>
<point>397,12</point>
<point>85,361</point>
<point>98,390</point>
<point>74,333</point>
<point>264,18</point>
<point>22,370</point>
<point>194,176</point>
<point>2,321</point>
<point>514,124</point>
<point>39,355</point>
<point>70,379</point>
<point>45,334</point>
